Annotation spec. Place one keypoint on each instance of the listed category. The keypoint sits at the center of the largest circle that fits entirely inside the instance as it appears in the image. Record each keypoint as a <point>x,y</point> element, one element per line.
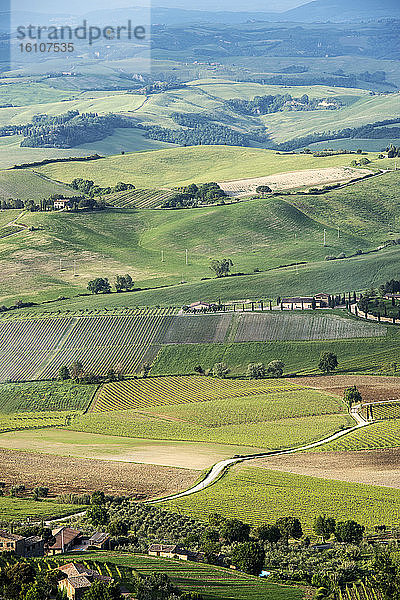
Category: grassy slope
<point>213,583</point>
<point>180,166</point>
<point>26,184</point>
<point>19,509</point>
<point>262,234</point>
<point>258,495</point>
<point>287,125</point>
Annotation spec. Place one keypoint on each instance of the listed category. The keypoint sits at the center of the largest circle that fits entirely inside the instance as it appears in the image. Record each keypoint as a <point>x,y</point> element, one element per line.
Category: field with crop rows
<point>383,434</point>
<point>297,326</point>
<point>37,348</point>
<point>260,414</point>
<point>212,583</point>
<point>34,420</point>
<point>360,592</point>
<point>258,495</point>
<point>139,198</point>
<point>44,396</point>
<point>383,410</point>
<point>197,329</point>
<point>9,230</point>
<point>162,391</point>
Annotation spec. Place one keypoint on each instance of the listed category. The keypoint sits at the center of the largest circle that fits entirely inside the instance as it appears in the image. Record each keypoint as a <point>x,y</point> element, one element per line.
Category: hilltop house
<point>78,579</point>
<point>22,546</point>
<point>62,203</point>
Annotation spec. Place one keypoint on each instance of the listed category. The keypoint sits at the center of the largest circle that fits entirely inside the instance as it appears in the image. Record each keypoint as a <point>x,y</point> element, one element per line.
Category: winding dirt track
<point>221,467</point>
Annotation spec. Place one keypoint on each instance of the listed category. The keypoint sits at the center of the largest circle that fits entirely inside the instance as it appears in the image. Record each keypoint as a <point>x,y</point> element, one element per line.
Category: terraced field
<point>360,592</point>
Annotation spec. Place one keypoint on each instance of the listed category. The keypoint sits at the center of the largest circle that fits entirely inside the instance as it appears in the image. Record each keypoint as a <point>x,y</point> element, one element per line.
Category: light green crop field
<point>181,166</point>
<point>274,420</point>
<point>26,94</point>
<point>44,396</point>
<point>364,355</point>
<point>258,495</point>
<point>19,509</point>
<point>12,422</point>
<point>213,583</point>
<point>383,434</point>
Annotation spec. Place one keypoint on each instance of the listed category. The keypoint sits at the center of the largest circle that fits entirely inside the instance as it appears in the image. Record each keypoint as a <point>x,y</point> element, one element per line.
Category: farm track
<point>220,468</point>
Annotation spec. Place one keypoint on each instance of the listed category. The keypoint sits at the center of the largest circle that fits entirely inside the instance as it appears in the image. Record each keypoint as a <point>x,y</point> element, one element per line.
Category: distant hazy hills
<point>343,10</point>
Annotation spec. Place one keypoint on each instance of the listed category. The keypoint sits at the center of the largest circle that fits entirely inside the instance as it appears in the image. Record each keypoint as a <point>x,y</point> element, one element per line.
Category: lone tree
<point>352,396</point>
<point>248,557</point>
<point>76,370</point>
<point>220,370</point>
<point>328,362</point>
<point>350,532</point>
<point>263,189</point>
<point>275,368</point>
<point>290,527</point>
<point>64,373</point>
<point>124,283</point>
<point>100,285</point>
<point>324,527</point>
<point>221,267</point>
<point>256,371</point>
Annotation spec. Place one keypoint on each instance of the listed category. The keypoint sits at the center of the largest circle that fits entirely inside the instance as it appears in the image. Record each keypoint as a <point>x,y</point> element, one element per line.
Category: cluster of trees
<point>70,129</point>
<point>264,105</point>
<point>393,151</point>
<point>89,188</point>
<point>201,130</point>
<point>101,285</point>
<point>258,370</point>
<point>77,372</point>
<point>193,195</point>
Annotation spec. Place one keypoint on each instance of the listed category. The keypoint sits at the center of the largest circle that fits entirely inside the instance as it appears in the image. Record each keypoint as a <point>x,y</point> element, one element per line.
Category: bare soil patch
<point>292,180</point>
<point>373,467</point>
<point>66,474</point>
<point>372,388</point>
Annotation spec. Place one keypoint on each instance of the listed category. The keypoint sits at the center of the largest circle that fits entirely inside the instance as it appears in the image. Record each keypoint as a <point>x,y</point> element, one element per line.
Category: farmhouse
<point>200,306</point>
<point>62,203</point>
<point>22,546</point>
<point>78,579</point>
<point>65,539</point>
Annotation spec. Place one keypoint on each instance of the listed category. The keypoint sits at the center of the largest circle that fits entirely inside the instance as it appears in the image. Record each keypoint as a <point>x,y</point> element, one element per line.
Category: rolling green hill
<point>260,237</point>
<point>181,166</point>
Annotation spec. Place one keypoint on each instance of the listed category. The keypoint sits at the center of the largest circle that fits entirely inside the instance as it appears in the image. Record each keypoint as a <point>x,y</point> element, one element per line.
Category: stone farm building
<point>78,579</point>
<point>305,302</point>
<point>62,203</point>
<point>173,551</point>
<point>22,546</point>
<point>67,539</point>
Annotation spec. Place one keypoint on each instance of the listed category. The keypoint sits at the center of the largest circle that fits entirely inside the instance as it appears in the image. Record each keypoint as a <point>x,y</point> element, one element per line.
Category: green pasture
<point>44,396</point>
<point>20,509</point>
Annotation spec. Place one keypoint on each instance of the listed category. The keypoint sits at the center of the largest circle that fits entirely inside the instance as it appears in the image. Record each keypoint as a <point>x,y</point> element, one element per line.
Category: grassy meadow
<point>19,509</point>
<point>44,396</point>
